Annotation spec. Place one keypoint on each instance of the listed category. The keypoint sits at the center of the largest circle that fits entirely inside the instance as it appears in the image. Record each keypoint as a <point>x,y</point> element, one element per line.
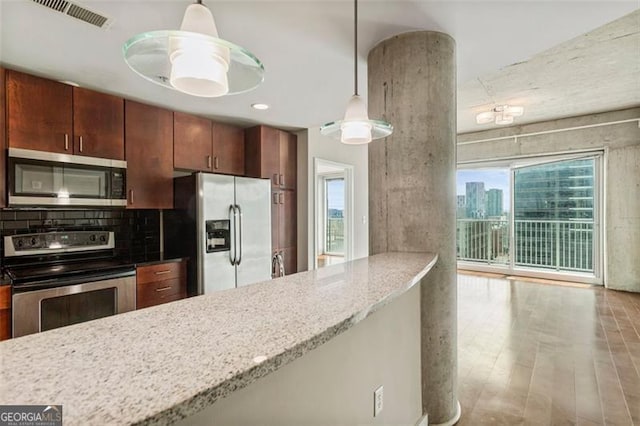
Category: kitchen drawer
<point>162,271</point>
<point>158,292</point>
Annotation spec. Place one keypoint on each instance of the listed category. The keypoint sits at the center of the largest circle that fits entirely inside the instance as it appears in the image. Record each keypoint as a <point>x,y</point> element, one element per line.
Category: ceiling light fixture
<point>356,127</point>
<point>193,60</point>
<point>259,106</point>
<point>502,114</point>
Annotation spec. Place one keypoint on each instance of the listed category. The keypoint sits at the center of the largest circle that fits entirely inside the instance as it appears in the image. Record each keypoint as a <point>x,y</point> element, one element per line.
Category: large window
<point>538,215</point>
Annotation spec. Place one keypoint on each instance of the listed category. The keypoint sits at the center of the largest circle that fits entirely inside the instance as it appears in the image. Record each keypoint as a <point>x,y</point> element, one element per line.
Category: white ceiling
<point>306,46</point>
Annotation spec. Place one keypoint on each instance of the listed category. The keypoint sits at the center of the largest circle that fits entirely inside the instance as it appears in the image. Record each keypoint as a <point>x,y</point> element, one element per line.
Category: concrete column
<point>412,207</point>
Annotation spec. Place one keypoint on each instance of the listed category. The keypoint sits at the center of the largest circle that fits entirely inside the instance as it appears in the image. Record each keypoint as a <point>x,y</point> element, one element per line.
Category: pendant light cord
<point>355,46</point>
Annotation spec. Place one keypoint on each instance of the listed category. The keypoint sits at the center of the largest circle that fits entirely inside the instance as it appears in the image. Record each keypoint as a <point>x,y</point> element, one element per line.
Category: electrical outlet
<point>378,401</point>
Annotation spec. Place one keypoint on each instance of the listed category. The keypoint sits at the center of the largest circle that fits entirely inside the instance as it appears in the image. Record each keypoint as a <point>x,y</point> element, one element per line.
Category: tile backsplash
<point>137,232</point>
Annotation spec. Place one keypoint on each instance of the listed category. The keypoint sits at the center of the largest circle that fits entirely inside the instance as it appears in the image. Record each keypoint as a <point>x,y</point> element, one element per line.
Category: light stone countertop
<point>161,364</point>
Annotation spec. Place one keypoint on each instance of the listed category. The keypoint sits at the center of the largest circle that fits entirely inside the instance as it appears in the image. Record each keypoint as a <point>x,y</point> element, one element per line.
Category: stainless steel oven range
<point>63,278</point>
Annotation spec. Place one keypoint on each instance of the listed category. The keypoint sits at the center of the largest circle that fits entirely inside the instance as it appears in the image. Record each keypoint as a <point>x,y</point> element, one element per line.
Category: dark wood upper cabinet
<point>288,160</point>
<point>46,115</point>
<point>262,153</point>
<point>228,149</point>
<point>149,155</point>
<point>98,124</point>
<point>39,113</point>
<point>3,140</point>
<point>192,143</point>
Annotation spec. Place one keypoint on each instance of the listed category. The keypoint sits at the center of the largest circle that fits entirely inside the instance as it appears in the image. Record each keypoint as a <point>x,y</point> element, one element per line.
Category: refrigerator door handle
<point>232,220</point>
<point>239,240</point>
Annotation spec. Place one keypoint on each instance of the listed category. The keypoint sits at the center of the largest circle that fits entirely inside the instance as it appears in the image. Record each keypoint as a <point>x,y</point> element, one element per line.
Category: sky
<point>492,178</point>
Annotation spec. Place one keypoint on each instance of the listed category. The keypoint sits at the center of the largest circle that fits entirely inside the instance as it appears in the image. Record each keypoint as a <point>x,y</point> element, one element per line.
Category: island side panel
<point>334,383</point>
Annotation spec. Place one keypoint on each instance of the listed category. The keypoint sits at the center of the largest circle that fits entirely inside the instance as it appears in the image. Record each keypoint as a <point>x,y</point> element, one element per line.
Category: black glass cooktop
<point>60,272</point>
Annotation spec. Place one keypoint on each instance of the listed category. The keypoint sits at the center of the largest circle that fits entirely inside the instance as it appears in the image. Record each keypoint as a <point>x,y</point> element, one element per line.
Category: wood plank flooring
<point>533,354</point>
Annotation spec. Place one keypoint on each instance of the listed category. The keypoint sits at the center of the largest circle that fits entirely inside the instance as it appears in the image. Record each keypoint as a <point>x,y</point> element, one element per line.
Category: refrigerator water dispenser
<point>218,235</point>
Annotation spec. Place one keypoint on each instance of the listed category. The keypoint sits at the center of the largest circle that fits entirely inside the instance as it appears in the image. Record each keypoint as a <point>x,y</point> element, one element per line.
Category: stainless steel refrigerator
<point>223,224</point>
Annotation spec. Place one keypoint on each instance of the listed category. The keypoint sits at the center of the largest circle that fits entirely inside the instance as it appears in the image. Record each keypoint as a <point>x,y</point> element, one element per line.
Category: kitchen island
<point>169,362</point>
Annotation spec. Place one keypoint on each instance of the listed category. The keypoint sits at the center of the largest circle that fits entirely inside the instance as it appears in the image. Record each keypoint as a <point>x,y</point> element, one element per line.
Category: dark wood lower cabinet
<point>161,283</point>
<point>284,222</point>
<point>5,312</point>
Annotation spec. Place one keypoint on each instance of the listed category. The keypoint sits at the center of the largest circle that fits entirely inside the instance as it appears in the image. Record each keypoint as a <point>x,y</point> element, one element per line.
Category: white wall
<point>311,144</point>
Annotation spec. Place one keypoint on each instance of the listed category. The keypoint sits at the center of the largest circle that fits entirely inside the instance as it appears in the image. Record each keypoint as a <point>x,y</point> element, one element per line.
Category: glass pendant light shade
<point>356,128</point>
<point>194,60</point>
<point>199,67</point>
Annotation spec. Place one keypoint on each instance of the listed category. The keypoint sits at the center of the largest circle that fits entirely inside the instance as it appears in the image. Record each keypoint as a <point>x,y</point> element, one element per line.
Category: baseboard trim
<point>424,420</point>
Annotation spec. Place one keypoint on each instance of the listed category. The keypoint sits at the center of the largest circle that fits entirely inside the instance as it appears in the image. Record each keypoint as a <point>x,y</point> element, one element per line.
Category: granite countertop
<point>161,364</point>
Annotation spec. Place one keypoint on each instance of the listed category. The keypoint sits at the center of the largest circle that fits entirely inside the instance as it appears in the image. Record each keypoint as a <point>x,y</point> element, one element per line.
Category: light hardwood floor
<point>536,354</point>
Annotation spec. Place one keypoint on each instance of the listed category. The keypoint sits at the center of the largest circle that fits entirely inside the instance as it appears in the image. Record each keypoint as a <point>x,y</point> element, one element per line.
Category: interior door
<point>216,272</point>
<point>253,198</point>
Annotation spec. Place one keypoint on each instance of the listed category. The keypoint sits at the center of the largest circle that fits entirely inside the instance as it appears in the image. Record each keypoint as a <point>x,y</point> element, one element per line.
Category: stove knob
<point>103,238</point>
<point>92,237</point>
<point>20,243</point>
<point>33,241</point>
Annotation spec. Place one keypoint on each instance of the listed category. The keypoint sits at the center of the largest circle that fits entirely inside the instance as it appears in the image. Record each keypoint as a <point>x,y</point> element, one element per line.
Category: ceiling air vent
<point>76,11</point>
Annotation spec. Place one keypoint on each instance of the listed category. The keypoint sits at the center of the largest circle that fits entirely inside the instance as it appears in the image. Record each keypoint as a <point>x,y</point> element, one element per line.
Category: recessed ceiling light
<point>260,106</point>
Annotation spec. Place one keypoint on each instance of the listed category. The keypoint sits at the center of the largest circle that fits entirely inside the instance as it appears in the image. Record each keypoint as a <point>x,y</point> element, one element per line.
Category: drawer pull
<point>163,272</point>
<point>163,288</point>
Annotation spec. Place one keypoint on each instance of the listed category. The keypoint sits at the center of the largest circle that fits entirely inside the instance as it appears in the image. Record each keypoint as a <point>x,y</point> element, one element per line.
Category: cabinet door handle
<point>209,161</point>
<point>66,142</point>
<point>275,198</point>
<point>163,288</point>
<point>131,196</point>
<point>163,272</point>
<point>216,163</point>
<point>281,180</point>
<point>281,198</point>
<point>80,143</point>
<point>275,179</point>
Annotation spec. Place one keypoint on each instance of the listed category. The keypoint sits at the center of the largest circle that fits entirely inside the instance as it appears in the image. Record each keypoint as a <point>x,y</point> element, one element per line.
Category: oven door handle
<point>61,282</point>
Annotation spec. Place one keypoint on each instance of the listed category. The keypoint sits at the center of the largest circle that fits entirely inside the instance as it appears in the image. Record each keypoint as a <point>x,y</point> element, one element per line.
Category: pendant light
<point>193,60</point>
<point>356,128</point>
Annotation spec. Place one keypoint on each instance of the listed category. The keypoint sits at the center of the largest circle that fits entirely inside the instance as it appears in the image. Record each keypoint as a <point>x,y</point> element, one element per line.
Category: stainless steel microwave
<point>38,178</point>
